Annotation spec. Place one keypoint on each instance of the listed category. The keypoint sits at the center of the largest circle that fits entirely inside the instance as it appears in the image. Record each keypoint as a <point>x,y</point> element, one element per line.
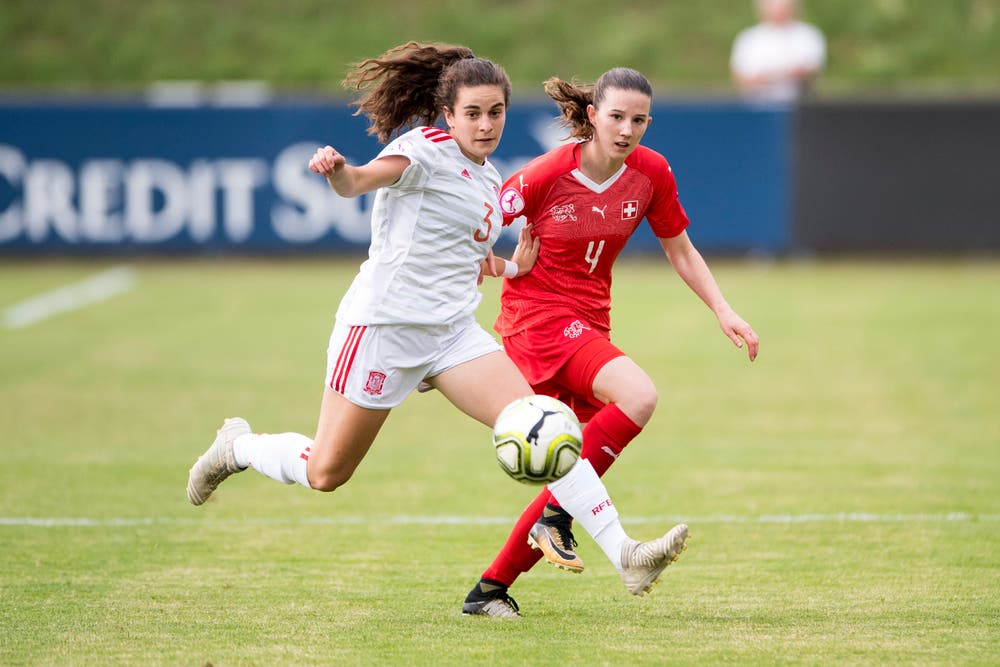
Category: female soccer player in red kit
<point>584,200</point>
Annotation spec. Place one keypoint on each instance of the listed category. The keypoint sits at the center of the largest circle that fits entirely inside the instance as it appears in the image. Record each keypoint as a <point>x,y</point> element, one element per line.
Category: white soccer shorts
<point>378,365</point>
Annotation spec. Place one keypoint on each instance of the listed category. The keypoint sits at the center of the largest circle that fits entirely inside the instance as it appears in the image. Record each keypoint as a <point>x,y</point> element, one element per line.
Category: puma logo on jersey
<point>599,210</point>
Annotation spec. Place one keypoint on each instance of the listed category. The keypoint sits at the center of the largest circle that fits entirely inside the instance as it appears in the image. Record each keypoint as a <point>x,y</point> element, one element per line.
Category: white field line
<point>406,520</point>
<point>97,288</point>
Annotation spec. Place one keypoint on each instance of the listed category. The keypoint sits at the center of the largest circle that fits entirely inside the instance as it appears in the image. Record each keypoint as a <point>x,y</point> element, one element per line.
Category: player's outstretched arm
<point>691,267</point>
<point>350,181</point>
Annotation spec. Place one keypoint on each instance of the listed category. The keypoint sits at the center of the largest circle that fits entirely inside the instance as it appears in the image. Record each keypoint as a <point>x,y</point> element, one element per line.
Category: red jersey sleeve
<point>526,191</point>
<point>516,196</point>
<point>665,214</point>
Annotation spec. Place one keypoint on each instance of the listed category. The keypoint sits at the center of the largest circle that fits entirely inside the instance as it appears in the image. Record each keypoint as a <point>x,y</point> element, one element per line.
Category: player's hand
<point>327,161</point>
<point>526,251</point>
<point>487,268</point>
<point>738,331</point>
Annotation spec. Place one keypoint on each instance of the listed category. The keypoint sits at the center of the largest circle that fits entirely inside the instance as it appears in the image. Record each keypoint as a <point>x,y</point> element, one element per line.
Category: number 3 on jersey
<point>480,235</point>
<point>592,260</point>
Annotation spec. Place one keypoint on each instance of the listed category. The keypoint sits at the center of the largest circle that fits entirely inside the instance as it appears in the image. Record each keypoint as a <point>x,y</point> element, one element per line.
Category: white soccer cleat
<point>217,463</point>
<point>642,562</point>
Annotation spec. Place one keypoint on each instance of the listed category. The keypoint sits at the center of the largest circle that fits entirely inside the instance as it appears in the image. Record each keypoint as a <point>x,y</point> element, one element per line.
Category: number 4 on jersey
<point>590,250</point>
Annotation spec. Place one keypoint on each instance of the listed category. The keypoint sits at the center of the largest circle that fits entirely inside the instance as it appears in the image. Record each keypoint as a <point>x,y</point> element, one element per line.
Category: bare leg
<point>484,386</point>
<point>344,435</point>
<point>623,382</point>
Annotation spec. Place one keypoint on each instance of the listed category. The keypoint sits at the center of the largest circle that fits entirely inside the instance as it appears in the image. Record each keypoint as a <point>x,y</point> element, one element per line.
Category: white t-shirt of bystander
<point>775,52</point>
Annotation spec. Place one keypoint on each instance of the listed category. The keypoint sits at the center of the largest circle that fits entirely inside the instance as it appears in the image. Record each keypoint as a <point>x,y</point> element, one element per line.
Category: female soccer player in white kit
<point>408,317</point>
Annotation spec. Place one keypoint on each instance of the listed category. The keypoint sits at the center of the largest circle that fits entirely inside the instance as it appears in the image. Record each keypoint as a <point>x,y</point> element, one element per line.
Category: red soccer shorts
<point>561,358</point>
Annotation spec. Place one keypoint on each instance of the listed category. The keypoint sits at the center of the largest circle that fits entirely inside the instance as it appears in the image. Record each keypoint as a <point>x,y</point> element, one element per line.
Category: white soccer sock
<point>280,456</point>
<point>581,493</point>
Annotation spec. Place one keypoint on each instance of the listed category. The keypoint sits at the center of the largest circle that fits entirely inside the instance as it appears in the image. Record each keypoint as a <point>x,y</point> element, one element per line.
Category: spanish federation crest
<point>375,381</point>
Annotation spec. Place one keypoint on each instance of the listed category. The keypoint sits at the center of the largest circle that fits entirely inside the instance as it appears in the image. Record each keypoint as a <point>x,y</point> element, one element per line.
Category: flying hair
<point>572,98</point>
<point>414,83</point>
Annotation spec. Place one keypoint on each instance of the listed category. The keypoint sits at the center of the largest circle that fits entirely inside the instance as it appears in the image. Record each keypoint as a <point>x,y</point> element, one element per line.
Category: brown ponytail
<point>573,98</point>
<point>414,82</point>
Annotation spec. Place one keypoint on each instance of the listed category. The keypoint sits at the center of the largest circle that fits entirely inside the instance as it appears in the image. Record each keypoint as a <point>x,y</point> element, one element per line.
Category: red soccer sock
<point>604,437</point>
<point>517,556</point>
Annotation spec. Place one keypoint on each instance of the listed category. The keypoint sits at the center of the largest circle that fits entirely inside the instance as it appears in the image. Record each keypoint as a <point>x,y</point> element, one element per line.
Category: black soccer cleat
<point>490,598</point>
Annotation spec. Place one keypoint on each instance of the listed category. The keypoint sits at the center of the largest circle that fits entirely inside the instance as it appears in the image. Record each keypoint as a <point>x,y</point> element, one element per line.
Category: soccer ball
<point>537,439</point>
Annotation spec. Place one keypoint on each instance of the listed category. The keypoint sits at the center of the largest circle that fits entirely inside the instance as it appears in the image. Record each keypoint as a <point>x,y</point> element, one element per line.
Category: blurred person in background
<point>778,59</point>
<point>584,200</point>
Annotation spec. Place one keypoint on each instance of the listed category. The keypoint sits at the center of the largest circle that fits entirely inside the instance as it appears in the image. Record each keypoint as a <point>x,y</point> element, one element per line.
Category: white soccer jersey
<point>430,232</point>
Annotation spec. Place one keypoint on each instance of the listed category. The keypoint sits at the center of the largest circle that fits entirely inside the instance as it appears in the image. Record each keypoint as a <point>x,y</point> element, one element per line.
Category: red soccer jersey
<point>583,227</point>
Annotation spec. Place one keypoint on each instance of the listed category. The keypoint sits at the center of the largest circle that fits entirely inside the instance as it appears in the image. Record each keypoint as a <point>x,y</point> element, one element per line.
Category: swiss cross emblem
<point>630,209</point>
<point>375,381</point>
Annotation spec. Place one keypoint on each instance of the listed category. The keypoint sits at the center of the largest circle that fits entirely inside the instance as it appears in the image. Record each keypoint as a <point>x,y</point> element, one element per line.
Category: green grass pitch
<point>843,491</point>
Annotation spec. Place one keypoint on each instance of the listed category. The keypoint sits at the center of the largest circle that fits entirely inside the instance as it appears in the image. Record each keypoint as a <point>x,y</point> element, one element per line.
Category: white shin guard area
<point>582,493</point>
